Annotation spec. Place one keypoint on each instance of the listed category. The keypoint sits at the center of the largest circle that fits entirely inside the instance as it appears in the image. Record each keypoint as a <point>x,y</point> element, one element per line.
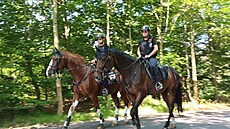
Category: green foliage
<point>157,105</point>
<point>26,42</point>
<point>174,60</point>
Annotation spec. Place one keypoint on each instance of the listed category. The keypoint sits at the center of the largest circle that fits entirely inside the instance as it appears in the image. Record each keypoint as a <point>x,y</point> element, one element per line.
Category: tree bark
<point>28,58</point>
<point>193,60</point>
<point>159,28</point>
<point>107,22</point>
<point>66,27</point>
<point>167,18</point>
<point>130,32</point>
<point>213,69</point>
<point>56,44</point>
<point>187,79</point>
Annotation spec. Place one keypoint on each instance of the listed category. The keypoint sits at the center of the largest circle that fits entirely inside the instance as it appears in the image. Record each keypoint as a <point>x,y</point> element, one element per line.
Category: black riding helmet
<point>145,27</point>
<point>101,36</point>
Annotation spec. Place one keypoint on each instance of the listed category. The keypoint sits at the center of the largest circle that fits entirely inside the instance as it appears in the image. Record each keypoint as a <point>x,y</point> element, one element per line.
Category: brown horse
<point>84,83</point>
<point>138,83</point>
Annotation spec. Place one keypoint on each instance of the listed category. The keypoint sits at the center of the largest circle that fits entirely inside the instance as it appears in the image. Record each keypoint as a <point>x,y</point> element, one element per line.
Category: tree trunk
<point>159,28</point>
<point>107,21</point>
<point>130,32</point>
<point>193,60</point>
<point>56,44</point>
<point>28,58</point>
<point>212,58</point>
<point>66,26</point>
<point>187,80</point>
<point>167,18</point>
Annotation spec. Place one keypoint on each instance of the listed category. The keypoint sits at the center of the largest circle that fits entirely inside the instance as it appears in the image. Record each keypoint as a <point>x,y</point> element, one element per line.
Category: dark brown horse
<point>84,83</point>
<point>139,84</point>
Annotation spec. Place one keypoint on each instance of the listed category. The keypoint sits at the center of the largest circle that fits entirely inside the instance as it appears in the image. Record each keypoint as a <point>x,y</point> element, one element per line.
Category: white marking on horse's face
<point>49,66</point>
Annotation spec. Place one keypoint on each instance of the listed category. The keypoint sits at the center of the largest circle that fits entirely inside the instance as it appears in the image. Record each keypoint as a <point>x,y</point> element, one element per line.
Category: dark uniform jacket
<point>102,51</point>
<point>147,46</point>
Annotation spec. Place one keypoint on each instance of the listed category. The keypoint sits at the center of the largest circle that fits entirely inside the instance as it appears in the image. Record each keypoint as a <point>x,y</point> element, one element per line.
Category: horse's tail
<point>179,97</point>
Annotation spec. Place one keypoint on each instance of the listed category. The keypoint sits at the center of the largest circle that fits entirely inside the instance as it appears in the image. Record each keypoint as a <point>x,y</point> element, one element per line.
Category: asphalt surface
<point>209,119</point>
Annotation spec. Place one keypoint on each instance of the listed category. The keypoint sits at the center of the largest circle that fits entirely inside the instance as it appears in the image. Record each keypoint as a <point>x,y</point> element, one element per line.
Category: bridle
<point>105,69</point>
<point>56,70</point>
<point>55,67</point>
<point>106,66</point>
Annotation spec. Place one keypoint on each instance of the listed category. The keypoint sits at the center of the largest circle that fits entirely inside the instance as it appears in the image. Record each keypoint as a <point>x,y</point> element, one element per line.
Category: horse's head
<point>104,65</point>
<point>56,63</point>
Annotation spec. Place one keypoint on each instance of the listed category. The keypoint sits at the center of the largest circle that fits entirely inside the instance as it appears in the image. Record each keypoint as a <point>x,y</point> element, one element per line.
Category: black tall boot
<point>159,78</point>
<point>105,91</point>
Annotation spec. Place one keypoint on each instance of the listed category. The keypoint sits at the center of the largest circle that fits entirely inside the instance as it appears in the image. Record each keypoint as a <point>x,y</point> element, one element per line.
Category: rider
<point>102,50</point>
<point>148,48</point>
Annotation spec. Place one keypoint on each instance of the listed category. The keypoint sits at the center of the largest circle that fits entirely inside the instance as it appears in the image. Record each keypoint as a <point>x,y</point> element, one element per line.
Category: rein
<point>84,77</point>
<point>134,73</point>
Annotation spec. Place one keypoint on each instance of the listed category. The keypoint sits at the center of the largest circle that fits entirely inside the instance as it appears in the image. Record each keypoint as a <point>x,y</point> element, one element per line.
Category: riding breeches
<point>157,74</point>
<point>153,62</point>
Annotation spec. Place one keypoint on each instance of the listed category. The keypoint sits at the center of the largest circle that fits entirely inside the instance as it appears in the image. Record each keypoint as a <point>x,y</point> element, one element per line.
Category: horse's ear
<point>55,50</point>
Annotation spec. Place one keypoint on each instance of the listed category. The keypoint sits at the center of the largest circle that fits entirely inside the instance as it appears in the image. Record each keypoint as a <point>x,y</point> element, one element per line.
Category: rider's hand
<point>147,56</point>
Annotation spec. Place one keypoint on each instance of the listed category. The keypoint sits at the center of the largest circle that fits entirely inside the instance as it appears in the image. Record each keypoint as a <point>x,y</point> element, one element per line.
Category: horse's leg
<point>117,106</point>
<point>132,114</point>
<point>95,101</point>
<point>134,111</point>
<point>126,114</point>
<point>170,100</point>
<point>70,112</point>
<point>126,102</point>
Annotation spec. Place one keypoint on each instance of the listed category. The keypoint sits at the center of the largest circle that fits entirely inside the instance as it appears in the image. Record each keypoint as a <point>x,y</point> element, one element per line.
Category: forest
<point>193,37</point>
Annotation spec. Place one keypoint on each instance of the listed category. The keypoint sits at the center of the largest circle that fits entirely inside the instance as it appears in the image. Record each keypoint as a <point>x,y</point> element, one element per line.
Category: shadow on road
<point>188,120</point>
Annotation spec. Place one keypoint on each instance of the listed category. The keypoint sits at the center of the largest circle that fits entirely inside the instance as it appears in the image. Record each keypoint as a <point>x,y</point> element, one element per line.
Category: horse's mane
<point>76,56</point>
<point>121,53</point>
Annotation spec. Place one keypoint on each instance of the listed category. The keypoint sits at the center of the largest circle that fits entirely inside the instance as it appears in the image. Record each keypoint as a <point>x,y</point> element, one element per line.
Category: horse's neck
<point>124,64</point>
<point>77,68</point>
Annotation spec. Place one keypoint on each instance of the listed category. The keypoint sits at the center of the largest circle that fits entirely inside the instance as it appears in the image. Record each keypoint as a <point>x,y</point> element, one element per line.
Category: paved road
<point>187,120</point>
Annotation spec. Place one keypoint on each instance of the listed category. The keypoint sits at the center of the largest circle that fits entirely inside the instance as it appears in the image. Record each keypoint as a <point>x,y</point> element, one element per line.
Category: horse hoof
<point>173,126</point>
<point>135,127</point>
<point>127,122</point>
<point>165,128</point>
<point>64,127</point>
<point>114,123</point>
<point>100,127</point>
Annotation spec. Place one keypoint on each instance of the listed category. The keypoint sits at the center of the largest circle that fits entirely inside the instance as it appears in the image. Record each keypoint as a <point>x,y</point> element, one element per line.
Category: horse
<point>139,84</point>
<point>84,84</point>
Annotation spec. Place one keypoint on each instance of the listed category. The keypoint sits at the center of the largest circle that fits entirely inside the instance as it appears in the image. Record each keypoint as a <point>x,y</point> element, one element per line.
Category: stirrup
<point>104,92</point>
<point>159,86</point>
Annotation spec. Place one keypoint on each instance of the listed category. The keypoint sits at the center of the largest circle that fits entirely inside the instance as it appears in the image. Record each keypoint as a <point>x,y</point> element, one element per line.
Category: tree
<point>56,44</point>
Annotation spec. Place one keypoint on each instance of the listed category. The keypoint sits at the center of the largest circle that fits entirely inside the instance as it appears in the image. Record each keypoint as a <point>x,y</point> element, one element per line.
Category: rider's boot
<point>159,78</point>
<point>105,91</point>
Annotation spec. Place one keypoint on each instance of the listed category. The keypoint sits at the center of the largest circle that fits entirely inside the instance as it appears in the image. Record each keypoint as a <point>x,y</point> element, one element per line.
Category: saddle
<point>164,71</point>
<point>112,78</point>
<point>160,73</point>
